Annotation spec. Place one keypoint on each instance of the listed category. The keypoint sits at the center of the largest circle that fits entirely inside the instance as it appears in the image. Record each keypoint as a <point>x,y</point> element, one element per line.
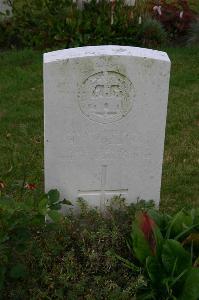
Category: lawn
<point>194,5</point>
<point>21,126</point>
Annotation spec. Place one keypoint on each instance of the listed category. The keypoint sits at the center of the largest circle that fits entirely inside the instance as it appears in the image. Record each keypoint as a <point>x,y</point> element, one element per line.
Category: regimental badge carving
<point>106,97</point>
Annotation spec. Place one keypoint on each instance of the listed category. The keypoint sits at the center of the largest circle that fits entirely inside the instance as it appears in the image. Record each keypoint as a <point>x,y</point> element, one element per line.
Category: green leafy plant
<point>68,259</point>
<point>167,249</point>
<point>59,23</point>
<point>18,221</point>
<point>152,33</point>
<point>175,16</point>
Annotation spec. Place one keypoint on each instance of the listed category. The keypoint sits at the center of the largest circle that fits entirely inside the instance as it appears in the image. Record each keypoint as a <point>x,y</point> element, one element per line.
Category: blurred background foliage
<point>44,24</point>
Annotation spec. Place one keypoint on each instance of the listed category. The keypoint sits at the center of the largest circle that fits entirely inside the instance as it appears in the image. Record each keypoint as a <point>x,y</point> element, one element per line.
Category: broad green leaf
<point>173,254</point>
<point>156,216</point>
<point>179,223</point>
<point>146,236</point>
<point>141,246</point>
<point>186,231</point>
<point>172,221</point>
<point>154,269</point>
<point>42,205</point>
<point>191,287</point>
<point>53,196</point>
<point>55,215</point>
<point>161,220</point>
<point>18,271</point>
<point>174,280</point>
<point>159,241</point>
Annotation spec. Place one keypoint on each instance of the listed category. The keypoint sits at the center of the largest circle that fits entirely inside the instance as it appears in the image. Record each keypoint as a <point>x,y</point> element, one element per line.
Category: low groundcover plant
<point>167,250</point>
<point>69,258</point>
<point>44,255</point>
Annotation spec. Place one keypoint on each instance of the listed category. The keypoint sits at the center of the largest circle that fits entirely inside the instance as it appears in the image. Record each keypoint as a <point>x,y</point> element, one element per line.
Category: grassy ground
<point>21,119</point>
<point>21,125</point>
<point>180,182</point>
<point>194,5</point>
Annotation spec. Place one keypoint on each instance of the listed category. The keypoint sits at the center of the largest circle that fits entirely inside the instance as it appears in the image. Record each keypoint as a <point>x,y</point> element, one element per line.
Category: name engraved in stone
<point>106,97</point>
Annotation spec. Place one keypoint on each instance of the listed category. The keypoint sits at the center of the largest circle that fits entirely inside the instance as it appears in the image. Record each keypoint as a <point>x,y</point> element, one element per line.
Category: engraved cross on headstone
<point>103,193</point>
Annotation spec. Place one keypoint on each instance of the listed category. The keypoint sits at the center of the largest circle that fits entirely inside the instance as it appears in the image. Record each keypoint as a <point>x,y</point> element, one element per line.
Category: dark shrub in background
<point>56,24</point>
<point>59,23</point>
<point>72,258</point>
<point>193,34</point>
<point>175,16</point>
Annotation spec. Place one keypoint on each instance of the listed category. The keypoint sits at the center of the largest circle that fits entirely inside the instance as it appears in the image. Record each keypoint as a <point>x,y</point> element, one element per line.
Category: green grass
<point>21,125</point>
<point>194,5</point>
<point>21,118</point>
<point>180,182</point>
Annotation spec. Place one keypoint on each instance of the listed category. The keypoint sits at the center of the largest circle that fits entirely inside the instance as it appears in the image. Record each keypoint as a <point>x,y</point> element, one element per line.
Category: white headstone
<point>105,116</point>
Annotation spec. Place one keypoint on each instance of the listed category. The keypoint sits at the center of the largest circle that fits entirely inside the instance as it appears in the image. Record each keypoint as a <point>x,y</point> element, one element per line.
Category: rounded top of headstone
<point>109,50</point>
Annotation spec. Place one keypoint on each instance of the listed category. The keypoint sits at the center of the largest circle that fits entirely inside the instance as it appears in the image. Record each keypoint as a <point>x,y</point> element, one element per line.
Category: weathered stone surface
<point>105,116</point>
